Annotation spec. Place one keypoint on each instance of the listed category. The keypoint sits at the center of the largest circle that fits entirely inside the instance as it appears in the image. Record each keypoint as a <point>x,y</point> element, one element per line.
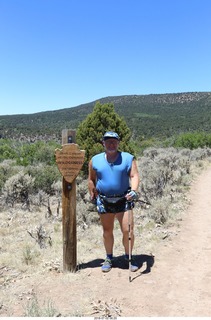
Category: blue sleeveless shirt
<point>112,179</point>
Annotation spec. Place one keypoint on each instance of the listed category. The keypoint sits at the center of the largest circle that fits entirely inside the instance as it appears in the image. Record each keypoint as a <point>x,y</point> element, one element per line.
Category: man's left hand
<point>132,195</point>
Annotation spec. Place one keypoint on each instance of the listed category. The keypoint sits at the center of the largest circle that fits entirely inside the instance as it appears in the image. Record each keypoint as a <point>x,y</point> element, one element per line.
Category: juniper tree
<point>90,131</point>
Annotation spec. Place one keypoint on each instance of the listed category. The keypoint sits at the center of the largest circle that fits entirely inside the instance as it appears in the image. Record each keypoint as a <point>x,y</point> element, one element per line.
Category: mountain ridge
<point>147,116</point>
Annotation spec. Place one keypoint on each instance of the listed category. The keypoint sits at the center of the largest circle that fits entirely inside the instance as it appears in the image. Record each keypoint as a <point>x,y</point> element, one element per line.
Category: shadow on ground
<point>90,264</point>
<point>121,263</point>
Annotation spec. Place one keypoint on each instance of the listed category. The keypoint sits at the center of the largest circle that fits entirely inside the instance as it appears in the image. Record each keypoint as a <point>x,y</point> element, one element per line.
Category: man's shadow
<point>140,260</point>
<point>121,263</point>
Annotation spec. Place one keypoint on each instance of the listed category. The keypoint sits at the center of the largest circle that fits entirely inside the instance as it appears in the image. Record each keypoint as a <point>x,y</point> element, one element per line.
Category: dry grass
<point>22,256</point>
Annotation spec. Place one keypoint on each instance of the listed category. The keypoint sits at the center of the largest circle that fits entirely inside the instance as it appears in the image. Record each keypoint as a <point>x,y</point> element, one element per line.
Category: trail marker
<point>69,160</point>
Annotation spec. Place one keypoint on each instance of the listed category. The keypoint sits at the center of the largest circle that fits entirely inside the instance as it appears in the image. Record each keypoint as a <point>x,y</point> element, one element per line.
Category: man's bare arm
<point>134,176</point>
<point>92,182</point>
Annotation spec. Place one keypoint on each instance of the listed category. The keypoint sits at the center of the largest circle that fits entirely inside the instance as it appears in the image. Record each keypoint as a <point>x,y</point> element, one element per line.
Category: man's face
<point>111,145</point>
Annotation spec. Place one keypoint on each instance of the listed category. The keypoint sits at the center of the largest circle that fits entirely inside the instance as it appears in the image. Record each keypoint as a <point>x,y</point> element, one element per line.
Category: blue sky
<point>57,54</point>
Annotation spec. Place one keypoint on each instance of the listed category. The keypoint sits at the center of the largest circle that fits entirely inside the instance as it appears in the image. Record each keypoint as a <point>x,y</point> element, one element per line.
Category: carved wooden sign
<point>69,160</point>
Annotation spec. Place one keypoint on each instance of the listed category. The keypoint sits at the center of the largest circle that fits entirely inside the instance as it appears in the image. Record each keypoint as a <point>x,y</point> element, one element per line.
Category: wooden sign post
<point>69,160</point>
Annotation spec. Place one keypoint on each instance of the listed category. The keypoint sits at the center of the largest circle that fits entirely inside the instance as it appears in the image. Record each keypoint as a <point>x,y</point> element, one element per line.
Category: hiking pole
<point>129,241</point>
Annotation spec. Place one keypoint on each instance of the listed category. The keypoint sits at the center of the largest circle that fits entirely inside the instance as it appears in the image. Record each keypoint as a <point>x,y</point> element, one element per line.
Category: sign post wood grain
<point>69,160</point>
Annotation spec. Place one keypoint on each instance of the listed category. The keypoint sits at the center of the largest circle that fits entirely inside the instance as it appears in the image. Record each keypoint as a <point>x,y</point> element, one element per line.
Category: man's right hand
<point>93,200</point>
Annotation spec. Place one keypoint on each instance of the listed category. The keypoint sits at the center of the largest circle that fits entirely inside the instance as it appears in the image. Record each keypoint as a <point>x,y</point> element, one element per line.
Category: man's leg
<point>107,221</point>
<point>124,224</point>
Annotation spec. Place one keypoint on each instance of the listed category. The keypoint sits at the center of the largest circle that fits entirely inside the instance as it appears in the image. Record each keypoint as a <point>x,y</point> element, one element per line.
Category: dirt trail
<point>180,282</point>
<point>177,284</point>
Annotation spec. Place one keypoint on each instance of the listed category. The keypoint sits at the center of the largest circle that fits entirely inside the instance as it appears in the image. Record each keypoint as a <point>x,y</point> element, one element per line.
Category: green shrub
<point>38,152</point>
<point>7,169</point>
<point>44,177</point>
<point>90,131</point>
<point>165,175</point>
<point>7,150</point>
<point>18,188</point>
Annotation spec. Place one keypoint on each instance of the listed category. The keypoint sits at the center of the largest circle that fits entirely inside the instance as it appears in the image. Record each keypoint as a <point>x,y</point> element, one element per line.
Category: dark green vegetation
<point>155,116</point>
<point>29,175</point>
<point>90,131</point>
<point>34,160</point>
<point>170,120</point>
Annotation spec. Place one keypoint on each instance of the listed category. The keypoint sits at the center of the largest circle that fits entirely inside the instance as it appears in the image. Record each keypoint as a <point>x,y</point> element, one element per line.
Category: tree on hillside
<point>90,131</point>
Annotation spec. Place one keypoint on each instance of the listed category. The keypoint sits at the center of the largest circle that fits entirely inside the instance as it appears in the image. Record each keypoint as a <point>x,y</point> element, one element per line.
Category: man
<point>113,177</point>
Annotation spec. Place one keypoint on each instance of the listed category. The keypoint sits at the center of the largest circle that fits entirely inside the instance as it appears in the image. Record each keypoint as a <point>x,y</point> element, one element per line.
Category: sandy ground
<point>174,282</point>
